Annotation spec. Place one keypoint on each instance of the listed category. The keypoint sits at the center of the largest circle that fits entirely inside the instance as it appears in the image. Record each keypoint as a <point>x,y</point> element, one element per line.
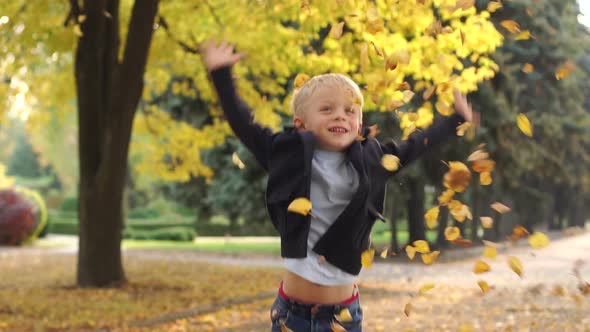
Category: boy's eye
<point>350,110</point>
<point>324,109</point>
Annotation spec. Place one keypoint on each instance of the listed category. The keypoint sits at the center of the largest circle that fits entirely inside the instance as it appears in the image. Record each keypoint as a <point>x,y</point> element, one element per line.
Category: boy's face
<point>332,116</point>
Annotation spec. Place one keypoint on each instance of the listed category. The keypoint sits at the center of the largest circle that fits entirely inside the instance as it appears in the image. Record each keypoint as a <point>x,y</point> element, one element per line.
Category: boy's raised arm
<point>420,141</point>
<point>218,60</point>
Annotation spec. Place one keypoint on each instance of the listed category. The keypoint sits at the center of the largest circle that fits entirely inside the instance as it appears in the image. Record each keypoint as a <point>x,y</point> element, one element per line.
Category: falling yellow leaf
<point>410,251</point>
<point>431,217</point>
<point>501,208</point>
<point>462,128</point>
<point>461,242</point>
<point>300,79</point>
<point>452,233</point>
<point>425,288</point>
<point>344,316</point>
<point>428,92</point>
<point>478,155</point>
<point>390,162</point>
<point>336,327</point>
<point>481,267</point>
<point>373,131</point>
<point>421,246</point>
<point>538,240</point>
<point>284,328</point>
<point>443,108</point>
<point>486,222</point>
<point>375,25</point>
<point>528,68</point>
<point>515,265</point>
<point>300,205</point>
<point>524,124</point>
<point>523,35</point>
<point>78,30</point>
<point>519,231</point>
<point>407,96</point>
<point>407,309</point>
<point>490,252</point>
<point>484,286</point>
<point>429,258</point>
<point>367,258</point>
<point>336,30</point>
<point>511,26</point>
<point>237,161</point>
<point>485,178</point>
<point>565,70</point>
<point>384,252</point>
<point>493,6</point>
<point>458,176</point>
<point>484,165</point>
<point>445,197</point>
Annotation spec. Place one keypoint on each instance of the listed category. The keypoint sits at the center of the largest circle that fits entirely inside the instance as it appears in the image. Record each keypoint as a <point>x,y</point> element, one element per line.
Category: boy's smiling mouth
<point>339,130</point>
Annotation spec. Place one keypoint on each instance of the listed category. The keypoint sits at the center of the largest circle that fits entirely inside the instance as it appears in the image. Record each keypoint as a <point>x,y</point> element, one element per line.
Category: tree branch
<point>186,47</point>
<point>73,13</point>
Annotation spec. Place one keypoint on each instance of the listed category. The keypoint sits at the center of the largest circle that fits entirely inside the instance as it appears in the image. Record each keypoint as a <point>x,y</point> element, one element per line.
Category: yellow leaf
<point>431,217</point>
<point>344,316</point>
<point>484,286</point>
<point>428,92</point>
<point>284,328</point>
<point>564,70</point>
<point>462,128</point>
<point>443,108</point>
<point>490,252</point>
<point>493,6</point>
<point>511,26</point>
<point>452,233</point>
<point>337,327</point>
<point>410,251</point>
<point>501,208</point>
<point>421,246</point>
<point>300,205</point>
<point>528,68</point>
<point>407,96</point>
<point>464,4</point>
<point>300,79</point>
<point>407,309</point>
<point>336,30</point>
<point>524,124</point>
<point>485,165</point>
<point>367,258</point>
<point>478,155</point>
<point>429,258</point>
<point>515,265</point>
<point>523,35</point>
<point>458,176</point>
<point>538,240</point>
<point>481,267</point>
<point>486,222</point>
<point>390,162</point>
<point>446,197</point>
<point>375,25</point>
<point>485,178</point>
<point>384,252</point>
<point>425,288</point>
<point>78,31</point>
<point>237,161</point>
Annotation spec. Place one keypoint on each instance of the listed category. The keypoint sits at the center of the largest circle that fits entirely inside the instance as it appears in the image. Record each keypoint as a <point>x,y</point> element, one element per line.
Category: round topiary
<point>19,217</point>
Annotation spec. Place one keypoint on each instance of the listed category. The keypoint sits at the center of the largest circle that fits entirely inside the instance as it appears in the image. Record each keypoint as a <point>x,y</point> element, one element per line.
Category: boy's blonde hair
<point>305,91</point>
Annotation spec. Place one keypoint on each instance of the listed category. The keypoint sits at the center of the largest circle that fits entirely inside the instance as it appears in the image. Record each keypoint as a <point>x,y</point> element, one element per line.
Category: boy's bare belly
<point>305,291</point>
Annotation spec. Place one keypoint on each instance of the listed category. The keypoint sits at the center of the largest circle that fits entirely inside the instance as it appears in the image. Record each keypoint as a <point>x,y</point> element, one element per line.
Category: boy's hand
<point>463,108</point>
<point>216,56</point>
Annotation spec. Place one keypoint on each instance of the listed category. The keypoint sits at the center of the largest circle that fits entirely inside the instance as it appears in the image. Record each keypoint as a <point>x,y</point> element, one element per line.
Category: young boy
<point>321,158</point>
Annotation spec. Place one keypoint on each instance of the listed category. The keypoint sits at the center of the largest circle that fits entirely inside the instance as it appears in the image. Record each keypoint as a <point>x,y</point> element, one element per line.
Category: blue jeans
<point>313,318</point>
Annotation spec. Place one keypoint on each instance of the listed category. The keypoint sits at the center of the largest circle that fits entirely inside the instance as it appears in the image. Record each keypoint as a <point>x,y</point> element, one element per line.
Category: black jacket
<point>287,157</point>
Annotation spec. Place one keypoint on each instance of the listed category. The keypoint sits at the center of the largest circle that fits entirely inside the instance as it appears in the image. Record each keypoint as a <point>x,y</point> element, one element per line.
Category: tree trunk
<point>393,221</point>
<point>416,209</point>
<point>443,219</point>
<point>108,93</point>
<point>475,213</point>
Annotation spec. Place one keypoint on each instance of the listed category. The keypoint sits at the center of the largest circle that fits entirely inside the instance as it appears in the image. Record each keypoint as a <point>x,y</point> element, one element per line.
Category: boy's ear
<point>298,123</point>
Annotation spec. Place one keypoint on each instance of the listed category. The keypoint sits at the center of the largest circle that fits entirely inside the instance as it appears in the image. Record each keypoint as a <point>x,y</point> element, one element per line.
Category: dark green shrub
<point>69,204</point>
<point>143,213</point>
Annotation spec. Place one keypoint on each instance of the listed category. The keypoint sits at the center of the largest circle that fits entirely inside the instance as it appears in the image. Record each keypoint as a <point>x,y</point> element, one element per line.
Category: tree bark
<point>108,93</point>
<point>416,209</point>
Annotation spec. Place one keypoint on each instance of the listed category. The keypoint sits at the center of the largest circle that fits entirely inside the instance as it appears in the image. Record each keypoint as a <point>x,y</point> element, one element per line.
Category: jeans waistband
<point>308,311</point>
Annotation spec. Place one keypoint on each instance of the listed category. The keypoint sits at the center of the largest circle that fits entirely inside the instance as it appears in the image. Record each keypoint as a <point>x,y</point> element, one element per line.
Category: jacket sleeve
<point>421,141</point>
<point>255,137</point>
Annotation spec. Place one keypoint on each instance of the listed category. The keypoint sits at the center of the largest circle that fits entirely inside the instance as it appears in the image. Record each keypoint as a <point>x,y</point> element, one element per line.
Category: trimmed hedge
<point>165,233</point>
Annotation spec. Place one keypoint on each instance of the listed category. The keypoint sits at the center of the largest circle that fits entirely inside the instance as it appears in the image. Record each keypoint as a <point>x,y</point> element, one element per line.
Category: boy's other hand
<point>216,56</point>
<point>463,108</point>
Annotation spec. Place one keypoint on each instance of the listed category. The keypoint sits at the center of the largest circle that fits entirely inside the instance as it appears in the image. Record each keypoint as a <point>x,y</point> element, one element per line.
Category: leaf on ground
<point>484,286</point>
<point>407,309</point>
<point>425,288</point>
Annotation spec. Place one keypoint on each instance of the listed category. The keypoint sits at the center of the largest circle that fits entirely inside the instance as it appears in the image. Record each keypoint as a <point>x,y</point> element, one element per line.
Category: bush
<point>69,204</point>
<point>166,233</point>
<point>19,218</point>
<point>143,213</point>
